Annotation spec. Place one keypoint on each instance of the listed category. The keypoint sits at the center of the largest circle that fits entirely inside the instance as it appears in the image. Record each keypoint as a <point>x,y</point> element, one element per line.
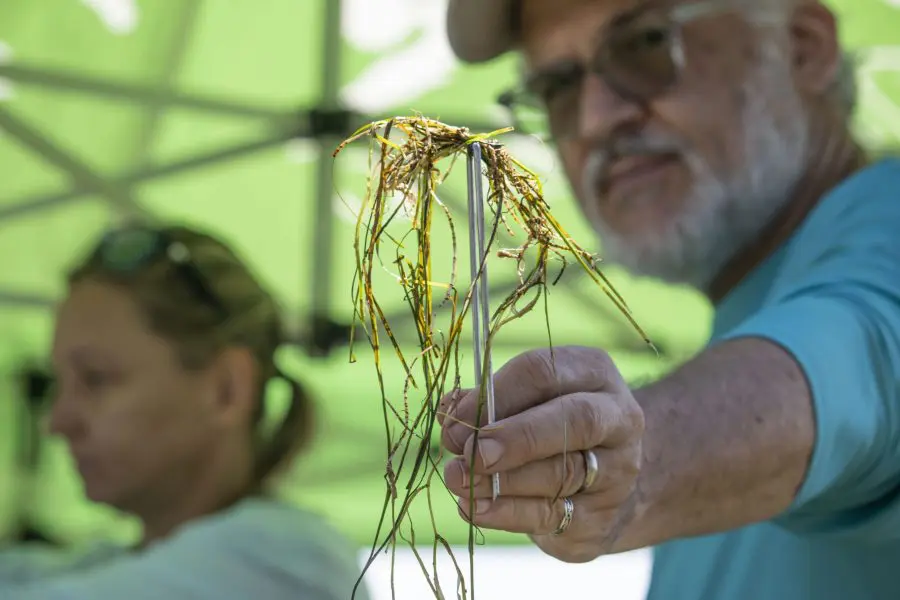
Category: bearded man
<point>709,144</point>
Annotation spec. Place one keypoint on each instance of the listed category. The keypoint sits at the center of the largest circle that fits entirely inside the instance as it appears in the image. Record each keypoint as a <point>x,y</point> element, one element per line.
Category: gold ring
<point>591,468</point>
<point>569,511</point>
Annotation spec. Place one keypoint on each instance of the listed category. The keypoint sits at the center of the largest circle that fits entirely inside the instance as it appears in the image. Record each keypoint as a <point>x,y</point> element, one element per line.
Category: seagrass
<point>409,159</point>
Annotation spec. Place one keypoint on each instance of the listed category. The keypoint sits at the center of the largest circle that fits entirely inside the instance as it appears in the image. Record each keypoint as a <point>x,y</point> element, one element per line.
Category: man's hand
<point>550,407</point>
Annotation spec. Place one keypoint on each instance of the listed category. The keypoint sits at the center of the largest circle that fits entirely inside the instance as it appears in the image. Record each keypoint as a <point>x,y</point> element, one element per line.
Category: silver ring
<point>569,508</point>
<point>591,468</point>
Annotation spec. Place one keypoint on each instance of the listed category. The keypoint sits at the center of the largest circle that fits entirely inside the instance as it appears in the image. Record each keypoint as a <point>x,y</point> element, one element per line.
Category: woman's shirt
<point>259,549</point>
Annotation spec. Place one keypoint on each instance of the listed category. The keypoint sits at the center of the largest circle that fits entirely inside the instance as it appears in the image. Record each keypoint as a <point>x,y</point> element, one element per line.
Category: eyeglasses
<point>641,57</point>
<point>128,250</point>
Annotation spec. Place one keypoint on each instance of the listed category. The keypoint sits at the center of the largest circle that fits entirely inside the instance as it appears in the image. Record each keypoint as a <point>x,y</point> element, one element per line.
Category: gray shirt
<point>259,549</point>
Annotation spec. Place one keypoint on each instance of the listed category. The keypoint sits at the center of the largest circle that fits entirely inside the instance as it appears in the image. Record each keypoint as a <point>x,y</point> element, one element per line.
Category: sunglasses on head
<point>129,250</point>
<point>640,56</point>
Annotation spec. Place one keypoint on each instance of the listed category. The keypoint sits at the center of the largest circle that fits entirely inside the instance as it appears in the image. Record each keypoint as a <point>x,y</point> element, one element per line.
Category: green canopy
<point>224,115</point>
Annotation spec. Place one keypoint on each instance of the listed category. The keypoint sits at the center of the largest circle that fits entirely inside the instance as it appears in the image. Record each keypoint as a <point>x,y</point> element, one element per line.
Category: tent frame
<point>325,124</point>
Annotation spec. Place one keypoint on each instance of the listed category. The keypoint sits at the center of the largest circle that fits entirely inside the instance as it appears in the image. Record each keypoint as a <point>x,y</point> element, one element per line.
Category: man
<point>708,143</point>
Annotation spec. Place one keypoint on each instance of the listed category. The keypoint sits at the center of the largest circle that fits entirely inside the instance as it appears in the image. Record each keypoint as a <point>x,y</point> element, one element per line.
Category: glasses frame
<point>678,16</point>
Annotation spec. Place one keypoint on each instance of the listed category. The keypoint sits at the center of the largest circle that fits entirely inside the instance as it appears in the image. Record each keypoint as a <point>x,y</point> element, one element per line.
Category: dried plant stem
<point>404,156</point>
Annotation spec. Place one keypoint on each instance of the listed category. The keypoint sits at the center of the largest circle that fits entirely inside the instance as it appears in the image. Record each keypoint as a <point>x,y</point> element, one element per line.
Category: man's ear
<point>236,375</point>
<point>815,47</point>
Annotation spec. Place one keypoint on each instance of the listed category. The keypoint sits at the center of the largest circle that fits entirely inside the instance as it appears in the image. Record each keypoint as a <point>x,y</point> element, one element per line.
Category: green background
<point>196,111</point>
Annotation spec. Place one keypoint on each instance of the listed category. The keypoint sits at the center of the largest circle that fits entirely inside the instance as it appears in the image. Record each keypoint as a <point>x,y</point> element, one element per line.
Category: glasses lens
<point>129,249</point>
<point>639,60</point>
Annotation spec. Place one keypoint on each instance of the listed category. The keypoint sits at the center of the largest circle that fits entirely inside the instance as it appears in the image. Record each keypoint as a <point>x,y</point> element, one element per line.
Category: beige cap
<point>480,30</point>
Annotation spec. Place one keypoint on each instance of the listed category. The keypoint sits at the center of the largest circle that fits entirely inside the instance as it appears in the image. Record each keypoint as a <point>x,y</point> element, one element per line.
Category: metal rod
<point>82,175</point>
<point>25,299</point>
<point>173,58</point>
<point>140,94</point>
<point>44,202</point>
<point>481,310</point>
<point>322,239</point>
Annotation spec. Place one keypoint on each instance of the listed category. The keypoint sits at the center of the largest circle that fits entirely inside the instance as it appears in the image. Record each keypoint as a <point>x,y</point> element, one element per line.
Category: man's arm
<point>793,415</point>
<point>728,439</point>
<point>796,416</point>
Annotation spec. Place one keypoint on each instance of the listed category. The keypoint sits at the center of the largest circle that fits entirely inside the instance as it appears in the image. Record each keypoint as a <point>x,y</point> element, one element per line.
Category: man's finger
<point>447,404</point>
<point>549,478</point>
<point>560,475</point>
<point>533,516</point>
<point>528,380</point>
<point>567,424</point>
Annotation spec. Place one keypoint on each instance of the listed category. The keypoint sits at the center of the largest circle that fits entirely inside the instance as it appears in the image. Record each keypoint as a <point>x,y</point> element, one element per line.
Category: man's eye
<point>550,87</point>
<point>649,39</point>
<point>653,37</point>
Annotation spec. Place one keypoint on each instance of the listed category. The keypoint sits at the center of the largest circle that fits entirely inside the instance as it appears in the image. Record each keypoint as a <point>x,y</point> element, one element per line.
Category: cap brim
<point>480,30</point>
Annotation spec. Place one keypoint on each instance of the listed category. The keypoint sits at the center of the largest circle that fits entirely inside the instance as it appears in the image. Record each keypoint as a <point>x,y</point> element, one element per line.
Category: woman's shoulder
<point>274,519</point>
<point>279,538</point>
<point>268,512</point>
<point>257,548</point>
<point>270,520</point>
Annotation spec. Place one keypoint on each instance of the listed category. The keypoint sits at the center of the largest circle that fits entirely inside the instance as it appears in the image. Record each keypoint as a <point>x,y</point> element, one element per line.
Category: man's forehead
<point>549,29</point>
<point>551,32</point>
<point>533,13</point>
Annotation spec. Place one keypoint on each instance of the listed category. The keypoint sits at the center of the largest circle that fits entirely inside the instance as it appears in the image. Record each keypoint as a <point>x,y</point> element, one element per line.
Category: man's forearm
<point>727,443</point>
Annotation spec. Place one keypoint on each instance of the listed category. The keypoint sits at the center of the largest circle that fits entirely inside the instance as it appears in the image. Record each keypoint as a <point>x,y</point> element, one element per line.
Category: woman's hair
<point>196,327</point>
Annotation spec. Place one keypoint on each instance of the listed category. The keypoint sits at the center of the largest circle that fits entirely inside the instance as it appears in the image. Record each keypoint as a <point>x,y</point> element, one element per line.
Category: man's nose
<point>602,111</point>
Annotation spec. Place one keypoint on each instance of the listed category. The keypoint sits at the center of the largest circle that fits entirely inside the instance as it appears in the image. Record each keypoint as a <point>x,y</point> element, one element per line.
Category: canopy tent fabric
<point>224,115</point>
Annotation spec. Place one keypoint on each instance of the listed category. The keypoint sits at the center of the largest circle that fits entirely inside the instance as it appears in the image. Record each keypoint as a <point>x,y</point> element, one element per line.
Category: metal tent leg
<point>82,175</point>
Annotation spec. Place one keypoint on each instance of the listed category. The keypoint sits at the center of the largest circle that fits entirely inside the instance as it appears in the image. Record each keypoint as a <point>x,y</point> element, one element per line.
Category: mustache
<point>636,145</point>
<point>647,144</point>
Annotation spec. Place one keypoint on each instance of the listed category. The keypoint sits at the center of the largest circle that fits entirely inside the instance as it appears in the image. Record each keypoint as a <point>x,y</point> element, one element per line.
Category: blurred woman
<point>164,348</point>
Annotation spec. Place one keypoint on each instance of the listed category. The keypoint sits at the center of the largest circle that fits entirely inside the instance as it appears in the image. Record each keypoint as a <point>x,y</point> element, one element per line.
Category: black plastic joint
<point>338,122</point>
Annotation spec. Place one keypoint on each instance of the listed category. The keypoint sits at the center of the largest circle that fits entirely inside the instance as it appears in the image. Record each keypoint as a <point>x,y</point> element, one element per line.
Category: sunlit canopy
<point>216,113</point>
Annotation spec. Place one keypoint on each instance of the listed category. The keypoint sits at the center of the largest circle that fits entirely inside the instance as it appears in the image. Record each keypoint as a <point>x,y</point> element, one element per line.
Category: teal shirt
<point>257,549</point>
<point>831,297</point>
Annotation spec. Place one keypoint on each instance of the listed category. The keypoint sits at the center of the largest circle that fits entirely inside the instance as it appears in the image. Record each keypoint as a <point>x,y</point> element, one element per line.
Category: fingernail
<point>476,479</point>
<point>458,434</point>
<point>482,505</point>
<point>465,473</point>
<point>490,451</point>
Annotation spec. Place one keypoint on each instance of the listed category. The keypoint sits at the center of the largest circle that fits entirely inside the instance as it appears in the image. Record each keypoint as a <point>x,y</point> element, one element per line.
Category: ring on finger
<point>591,469</point>
<point>568,512</point>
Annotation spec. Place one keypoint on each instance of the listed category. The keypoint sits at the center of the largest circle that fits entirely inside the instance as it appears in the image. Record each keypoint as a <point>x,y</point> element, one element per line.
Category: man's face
<point>676,185</point>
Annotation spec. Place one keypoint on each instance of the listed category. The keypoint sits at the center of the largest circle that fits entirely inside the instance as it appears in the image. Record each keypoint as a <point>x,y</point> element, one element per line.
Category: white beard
<point>722,214</point>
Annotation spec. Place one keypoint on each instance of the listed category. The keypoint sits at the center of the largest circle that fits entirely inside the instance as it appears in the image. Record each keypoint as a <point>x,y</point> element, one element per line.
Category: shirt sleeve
<point>837,311</point>
<point>211,564</point>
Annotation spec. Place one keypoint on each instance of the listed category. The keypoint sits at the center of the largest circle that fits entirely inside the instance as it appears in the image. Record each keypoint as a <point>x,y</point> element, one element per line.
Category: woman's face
<point>139,426</point>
